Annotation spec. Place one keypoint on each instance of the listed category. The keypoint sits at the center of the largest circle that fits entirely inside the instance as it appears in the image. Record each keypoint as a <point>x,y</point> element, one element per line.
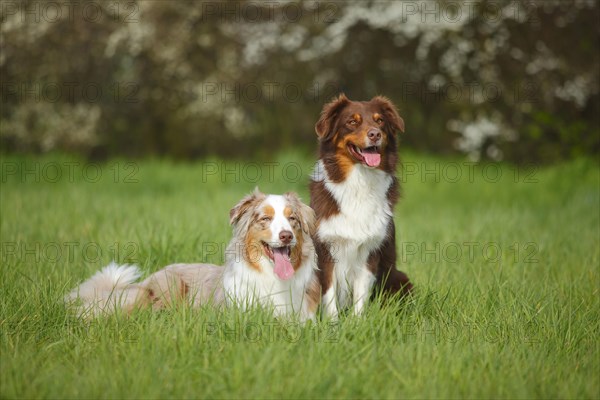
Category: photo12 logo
<point>53,12</point>
<point>477,93</point>
<point>469,251</point>
<point>89,332</point>
<point>68,171</point>
<point>276,331</point>
<point>55,252</point>
<point>251,172</point>
<point>326,12</point>
<point>269,91</point>
<point>467,172</point>
<point>464,331</point>
<point>65,91</point>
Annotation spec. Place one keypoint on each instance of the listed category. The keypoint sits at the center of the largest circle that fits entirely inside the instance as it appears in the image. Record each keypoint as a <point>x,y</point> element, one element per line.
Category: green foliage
<point>517,321</point>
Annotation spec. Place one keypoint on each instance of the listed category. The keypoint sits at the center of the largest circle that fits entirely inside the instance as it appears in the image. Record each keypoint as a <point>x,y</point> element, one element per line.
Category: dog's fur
<point>353,192</point>
<point>266,228</point>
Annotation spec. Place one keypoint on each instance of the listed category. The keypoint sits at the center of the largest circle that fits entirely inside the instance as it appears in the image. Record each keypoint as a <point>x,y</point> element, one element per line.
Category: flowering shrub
<point>513,80</point>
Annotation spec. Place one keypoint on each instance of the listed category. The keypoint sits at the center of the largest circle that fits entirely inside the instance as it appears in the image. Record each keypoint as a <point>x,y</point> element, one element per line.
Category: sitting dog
<point>270,262</point>
<point>353,192</point>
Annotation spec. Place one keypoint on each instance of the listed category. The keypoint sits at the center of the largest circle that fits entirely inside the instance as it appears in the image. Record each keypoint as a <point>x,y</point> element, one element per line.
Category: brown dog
<point>353,192</point>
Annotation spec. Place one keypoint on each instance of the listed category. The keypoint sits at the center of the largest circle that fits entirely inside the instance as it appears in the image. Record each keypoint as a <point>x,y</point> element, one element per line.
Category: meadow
<point>504,260</point>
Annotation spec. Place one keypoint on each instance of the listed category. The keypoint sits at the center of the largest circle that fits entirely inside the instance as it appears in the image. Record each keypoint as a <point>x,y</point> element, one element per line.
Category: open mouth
<point>281,259</point>
<point>369,156</point>
<point>270,251</point>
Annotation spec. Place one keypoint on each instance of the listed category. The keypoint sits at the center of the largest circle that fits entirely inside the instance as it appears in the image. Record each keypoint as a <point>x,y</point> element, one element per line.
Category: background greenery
<point>521,323</point>
<point>514,80</point>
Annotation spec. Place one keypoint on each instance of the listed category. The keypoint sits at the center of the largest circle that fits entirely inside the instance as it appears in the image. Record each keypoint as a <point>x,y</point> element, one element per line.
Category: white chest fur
<point>364,210</point>
<point>245,287</point>
<point>359,228</point>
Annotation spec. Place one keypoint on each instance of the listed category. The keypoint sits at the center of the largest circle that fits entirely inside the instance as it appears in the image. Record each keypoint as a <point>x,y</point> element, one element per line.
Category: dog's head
<point>273,230</point>
<point>360,132</point>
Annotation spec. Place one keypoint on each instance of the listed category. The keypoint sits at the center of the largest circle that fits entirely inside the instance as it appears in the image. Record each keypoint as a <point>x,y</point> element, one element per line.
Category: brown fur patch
<point>393,193</point>
<point>323,127</point>
<point>337,167</point>
<point>373,261</point>
<point>287,211</point>
<point>313,294</point>
<point>245,205</point>
<point>345,162</point>
<point>253,250</point>
<point>297,255</point>
<point>164,289</point>
<point>326,264</point>
<point>394,121</point>
<point>322,201</point>
<point>389,279</point>
<point>301,218</point>
<point>258,232</point>
<point>268,211</point>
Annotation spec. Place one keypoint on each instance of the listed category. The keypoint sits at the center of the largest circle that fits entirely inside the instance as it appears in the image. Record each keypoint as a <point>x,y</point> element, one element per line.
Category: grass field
<point>505,262</point>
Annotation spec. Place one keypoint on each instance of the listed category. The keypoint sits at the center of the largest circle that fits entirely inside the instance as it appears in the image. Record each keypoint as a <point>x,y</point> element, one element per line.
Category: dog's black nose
<point>374,135</point>
<point>285,237</point>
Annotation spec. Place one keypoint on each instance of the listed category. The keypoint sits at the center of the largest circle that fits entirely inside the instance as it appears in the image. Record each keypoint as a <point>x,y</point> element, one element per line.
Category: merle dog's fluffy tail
<point>111,289</point>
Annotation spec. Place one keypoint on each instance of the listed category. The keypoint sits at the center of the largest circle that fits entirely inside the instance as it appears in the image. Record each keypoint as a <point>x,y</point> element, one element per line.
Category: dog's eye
<point>352,122</point>
<point>293,219</point>
<point>266,219</point>
<point>379,120</point>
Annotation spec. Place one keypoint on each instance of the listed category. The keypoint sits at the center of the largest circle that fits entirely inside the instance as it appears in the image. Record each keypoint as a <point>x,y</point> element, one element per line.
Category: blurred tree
<point>511,79</point>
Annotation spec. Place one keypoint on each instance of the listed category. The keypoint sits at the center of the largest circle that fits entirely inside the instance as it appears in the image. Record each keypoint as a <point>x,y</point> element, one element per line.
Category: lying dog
<point>270,262</point>
<point>353,192</point>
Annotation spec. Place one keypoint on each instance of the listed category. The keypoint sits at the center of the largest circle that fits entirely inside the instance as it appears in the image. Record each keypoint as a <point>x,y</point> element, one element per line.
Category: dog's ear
<point>307,215</point>
<point>248,202</point>
<point>331,110</point>
<point>309,219</point>
<point>388,109</point>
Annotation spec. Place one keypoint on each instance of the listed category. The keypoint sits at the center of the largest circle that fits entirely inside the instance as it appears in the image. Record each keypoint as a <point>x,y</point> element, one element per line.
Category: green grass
<point>517,316</point>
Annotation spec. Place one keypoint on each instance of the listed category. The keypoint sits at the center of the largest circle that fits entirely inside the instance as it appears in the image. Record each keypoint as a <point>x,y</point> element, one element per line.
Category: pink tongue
<point>372,159</point>
<point>283,267</point>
